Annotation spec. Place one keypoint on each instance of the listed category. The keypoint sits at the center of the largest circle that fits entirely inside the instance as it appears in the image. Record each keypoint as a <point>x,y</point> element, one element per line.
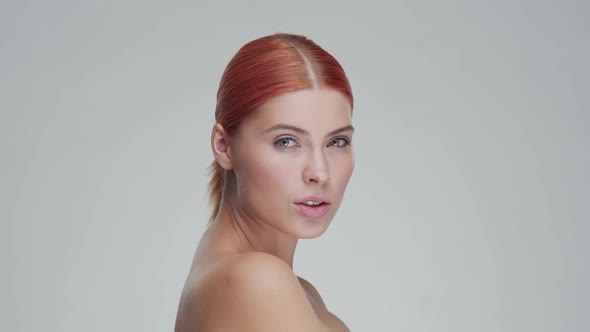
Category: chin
<point>312,228</point>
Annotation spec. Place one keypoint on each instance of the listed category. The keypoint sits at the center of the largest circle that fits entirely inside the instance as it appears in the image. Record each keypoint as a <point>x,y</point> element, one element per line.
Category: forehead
<point>308,108</point>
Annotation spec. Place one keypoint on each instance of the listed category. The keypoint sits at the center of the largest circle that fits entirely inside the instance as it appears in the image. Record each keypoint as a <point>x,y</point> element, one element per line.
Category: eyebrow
<point>301,131</point>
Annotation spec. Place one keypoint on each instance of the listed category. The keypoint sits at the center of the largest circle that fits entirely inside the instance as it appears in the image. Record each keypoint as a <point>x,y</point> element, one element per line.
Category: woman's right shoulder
<point>237,265</point>
<point>237,269</point>
<point>242,274</point>
<point>251,292</point>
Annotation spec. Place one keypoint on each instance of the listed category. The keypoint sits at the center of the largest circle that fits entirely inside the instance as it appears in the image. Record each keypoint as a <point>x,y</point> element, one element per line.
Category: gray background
<point>468,209</point>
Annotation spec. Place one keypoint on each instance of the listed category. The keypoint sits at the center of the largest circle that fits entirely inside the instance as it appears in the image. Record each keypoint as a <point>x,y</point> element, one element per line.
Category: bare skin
<point>242,279</point>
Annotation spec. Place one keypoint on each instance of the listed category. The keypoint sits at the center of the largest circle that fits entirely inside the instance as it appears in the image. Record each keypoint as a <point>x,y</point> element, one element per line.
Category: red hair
<point>265,68</point>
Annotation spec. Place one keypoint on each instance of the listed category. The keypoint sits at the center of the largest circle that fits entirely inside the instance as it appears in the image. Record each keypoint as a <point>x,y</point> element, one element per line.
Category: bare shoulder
<point>252,292</point>
<point>257,268</point>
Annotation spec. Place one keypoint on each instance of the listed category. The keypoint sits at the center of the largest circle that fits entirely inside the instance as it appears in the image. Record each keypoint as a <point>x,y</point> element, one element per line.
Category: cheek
<point>266,171</point>
<point>342,169</point>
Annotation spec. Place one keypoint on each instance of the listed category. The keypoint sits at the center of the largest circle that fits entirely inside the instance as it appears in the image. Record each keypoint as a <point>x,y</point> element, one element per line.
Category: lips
<point>313,206</point>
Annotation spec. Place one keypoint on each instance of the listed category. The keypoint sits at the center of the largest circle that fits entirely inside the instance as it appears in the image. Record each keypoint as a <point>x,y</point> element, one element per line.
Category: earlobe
<point>220,146</point>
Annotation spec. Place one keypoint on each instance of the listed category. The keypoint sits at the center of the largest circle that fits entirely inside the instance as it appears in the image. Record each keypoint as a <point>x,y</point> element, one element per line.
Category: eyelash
<point>277,144</point>
<point>345,142</point>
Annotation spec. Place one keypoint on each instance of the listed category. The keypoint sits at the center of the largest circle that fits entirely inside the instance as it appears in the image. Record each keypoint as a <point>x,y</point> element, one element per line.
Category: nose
<point>316,169</point>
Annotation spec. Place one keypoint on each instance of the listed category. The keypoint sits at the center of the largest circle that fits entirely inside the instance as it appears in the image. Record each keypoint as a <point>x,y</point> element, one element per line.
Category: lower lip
<point>313,211</point>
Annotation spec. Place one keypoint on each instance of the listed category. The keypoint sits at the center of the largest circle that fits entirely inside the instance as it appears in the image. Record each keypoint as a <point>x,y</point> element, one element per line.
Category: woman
<point>283,158</point>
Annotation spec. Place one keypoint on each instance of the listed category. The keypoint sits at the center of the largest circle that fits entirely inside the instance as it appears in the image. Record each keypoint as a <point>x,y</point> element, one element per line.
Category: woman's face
<point>292,159</point>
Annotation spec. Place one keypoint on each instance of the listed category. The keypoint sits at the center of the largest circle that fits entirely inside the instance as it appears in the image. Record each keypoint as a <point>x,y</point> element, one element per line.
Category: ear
<point>220,146</point>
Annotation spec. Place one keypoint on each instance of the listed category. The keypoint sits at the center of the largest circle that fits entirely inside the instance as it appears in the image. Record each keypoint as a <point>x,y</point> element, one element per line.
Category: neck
<point>237,231</point>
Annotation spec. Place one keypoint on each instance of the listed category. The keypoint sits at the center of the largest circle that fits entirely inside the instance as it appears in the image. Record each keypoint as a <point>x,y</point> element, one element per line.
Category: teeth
<point>310,203</point>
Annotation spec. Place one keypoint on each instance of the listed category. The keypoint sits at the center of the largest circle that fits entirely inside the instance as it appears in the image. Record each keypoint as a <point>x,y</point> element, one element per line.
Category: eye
<point>339,142</point>
<point>285,142</point>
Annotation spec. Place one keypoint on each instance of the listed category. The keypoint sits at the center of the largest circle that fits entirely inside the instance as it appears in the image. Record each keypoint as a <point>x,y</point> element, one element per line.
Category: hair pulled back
<point>265,68</point>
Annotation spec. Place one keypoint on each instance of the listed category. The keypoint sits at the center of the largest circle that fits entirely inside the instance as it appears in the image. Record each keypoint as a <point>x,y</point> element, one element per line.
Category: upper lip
<point>315,198</point>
